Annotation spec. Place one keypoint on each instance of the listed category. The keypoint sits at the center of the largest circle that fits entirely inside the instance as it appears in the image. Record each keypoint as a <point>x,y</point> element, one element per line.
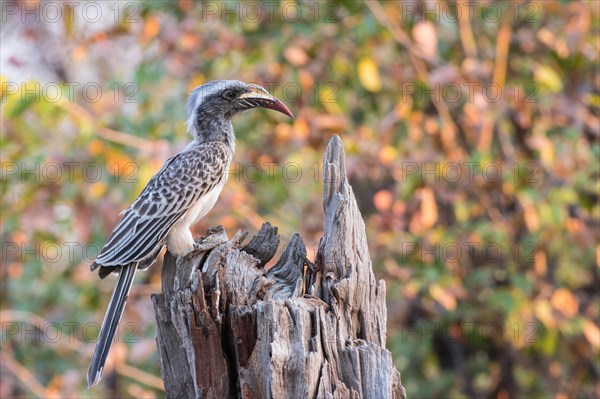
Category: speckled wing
<point>182,181</point>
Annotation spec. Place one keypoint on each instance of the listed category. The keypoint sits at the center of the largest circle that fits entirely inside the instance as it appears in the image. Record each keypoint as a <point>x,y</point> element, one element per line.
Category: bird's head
<point>218,101</point>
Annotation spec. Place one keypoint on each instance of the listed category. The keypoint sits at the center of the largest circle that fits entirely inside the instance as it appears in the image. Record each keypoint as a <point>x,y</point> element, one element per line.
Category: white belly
<point>180,240</point>
<point>204,205</point>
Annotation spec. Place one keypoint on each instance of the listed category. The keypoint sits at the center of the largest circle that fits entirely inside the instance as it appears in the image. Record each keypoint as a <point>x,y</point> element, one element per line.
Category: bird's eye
<point>229,95</point>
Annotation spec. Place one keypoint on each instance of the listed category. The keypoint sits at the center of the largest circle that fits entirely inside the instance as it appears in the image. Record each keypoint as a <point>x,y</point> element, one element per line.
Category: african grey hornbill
<point>183,191</point>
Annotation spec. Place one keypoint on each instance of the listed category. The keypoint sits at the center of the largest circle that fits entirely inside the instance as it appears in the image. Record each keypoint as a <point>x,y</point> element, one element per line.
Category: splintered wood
<point>229,328</point>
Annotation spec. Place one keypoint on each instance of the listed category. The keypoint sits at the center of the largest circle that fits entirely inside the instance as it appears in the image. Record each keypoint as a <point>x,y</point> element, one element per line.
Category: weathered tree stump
<point>229,328</point>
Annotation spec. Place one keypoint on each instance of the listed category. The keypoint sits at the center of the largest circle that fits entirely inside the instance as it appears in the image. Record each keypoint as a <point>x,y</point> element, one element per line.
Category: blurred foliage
<point>472,147</point>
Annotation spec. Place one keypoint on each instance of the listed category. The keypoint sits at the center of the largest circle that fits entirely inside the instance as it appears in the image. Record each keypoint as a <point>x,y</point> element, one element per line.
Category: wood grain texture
<point>228,328</point>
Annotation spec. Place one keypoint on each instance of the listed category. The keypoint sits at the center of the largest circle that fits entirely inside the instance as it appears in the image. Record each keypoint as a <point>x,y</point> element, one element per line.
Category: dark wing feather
<point>182,181</point>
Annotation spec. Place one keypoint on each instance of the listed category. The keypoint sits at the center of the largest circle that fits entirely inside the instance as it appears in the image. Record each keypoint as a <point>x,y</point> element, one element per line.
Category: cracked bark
<point>228,328</point>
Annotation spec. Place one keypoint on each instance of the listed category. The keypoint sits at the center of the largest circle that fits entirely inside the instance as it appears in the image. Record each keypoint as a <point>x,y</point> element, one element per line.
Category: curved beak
<point>257,97</point>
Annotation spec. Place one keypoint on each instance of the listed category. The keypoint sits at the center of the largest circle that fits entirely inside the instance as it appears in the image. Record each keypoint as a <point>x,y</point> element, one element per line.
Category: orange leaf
<point>444,297</point>
<point>296,56</point>
<point>79,53</point>
<point>429,211</point>
<point>186,5</point>
<point>189,41</point>
<point>306,79</point>
<point>541,263</point>
<point>565,302</point>
<point>592,333</point>
<point>301,128</point>
<point>151,28</point>
<point>96,147</point>
<point>388,154</point>
<point>382,200</point>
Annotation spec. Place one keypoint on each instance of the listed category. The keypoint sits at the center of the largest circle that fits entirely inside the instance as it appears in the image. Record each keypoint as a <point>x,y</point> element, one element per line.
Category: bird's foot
<point>204,244</point>
<point>197,249</point>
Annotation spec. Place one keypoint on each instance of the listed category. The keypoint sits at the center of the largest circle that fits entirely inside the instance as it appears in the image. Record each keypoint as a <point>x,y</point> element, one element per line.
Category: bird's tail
<point>110,323</point>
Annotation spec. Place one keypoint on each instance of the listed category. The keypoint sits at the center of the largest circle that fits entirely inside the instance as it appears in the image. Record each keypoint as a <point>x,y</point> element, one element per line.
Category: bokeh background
<point>472,138</point>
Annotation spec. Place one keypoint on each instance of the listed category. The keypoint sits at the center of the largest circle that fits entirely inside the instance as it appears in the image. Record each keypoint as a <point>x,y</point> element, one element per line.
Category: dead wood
<point>229,328</point>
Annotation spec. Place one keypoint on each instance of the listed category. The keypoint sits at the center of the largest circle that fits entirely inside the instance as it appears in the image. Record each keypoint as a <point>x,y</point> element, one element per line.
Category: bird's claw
<point>197,249</point>
<point>204,244</point>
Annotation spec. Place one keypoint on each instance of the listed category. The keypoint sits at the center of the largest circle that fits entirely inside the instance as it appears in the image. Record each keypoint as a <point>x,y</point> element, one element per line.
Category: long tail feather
<point>110,323</point>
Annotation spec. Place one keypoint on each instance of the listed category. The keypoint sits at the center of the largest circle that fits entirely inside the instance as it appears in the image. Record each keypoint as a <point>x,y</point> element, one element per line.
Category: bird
<point>183,191</point>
